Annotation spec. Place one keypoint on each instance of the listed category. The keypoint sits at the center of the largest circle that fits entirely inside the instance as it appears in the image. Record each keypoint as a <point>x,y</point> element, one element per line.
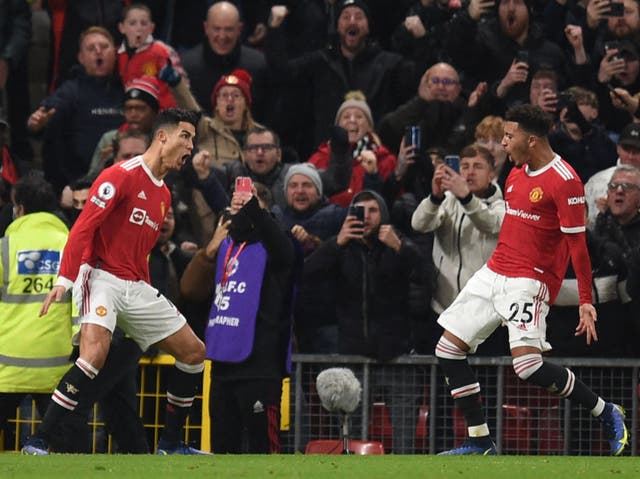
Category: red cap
<point>238,78</point>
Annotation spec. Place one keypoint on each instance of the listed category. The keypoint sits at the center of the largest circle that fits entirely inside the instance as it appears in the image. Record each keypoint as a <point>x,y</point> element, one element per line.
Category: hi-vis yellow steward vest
<point>34,351</point>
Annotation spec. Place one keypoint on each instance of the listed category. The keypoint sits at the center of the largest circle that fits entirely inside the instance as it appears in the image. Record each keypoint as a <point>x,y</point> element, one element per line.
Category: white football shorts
<point>489,300</point>
<point>135,306</point>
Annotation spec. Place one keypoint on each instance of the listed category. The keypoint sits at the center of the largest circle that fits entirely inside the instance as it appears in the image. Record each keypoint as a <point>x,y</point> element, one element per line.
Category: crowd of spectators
<point>312,99</point>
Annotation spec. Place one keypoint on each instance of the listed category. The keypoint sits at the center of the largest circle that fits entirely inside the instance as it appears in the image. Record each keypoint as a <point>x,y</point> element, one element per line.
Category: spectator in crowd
<point>372,162</point>
<point>15,36</point>
<point>371,265</point>
<point>311,218</point>
<point>222,134</point>
<point>330,73</point>
<point>488,50</point>
<point>140,55</point>
<point>69,18</point>
<point>620,67</point>
<point>248,335</point>
<point>620,221</point>
<point>34,354</point>
<point>421,35</point>
<point>437,108</point>
<point>220,53</point>
<point>140,110</point>
<point>578,138</point>
<point>612,303</point>
<point>488,134</point>
<point>465,211</point>
<point>77,114</point>
<point>596,188</point>
<point>79,192</point>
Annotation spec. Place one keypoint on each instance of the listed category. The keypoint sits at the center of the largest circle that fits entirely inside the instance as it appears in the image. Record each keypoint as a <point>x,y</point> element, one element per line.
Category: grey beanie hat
<point>307,169</point>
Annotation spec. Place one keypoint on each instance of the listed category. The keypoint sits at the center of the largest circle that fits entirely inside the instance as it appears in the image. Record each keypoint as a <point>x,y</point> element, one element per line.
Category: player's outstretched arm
<point>587,323</point>
<point>56,294</point>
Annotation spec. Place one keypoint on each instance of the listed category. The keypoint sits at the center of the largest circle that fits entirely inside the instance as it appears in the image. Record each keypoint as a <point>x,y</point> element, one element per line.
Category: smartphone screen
<point>243,184</point>
<point>453,162</point>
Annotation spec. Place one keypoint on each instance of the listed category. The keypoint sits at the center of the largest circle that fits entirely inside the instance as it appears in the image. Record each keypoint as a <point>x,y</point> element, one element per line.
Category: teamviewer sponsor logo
<point>137,216</point>
<point>38,262</point>
<point>576,200</point>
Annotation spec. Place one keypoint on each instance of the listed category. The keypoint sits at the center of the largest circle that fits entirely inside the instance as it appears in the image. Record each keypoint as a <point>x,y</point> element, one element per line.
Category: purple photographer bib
<point>232,320</point>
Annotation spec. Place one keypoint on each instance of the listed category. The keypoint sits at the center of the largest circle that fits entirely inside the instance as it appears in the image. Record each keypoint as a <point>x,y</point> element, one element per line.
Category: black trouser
<point>251,405</point>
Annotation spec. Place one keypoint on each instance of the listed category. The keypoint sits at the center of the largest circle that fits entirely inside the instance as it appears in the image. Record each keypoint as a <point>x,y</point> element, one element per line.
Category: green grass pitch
<point>316,466</point>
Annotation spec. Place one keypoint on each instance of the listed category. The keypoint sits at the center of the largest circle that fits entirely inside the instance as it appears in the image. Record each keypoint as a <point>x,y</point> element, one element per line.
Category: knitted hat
<point>361,4</point>
<point>146,89</point>
<point>355,99</point>
<point>305,169</point>
<point>238,78</point>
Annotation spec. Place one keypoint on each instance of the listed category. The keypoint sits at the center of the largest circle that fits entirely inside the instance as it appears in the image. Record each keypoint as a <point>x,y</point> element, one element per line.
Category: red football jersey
<point>541,208</point>
<point>120,223</point>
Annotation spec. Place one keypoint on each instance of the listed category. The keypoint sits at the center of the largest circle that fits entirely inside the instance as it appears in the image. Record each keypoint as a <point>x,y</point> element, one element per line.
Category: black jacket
<point>273,323</point>
<point>86,107</point>
<point>372,292</point>
<point>385,78</point>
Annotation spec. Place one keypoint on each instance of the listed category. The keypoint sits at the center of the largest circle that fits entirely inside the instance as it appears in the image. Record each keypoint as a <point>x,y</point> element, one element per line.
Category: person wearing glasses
<point>620,221</point>
<point>437,108</point>
<point>596,190</point>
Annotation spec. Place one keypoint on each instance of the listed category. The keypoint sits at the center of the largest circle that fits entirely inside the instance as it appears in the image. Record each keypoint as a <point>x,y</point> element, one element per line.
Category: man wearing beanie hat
<point>487,50</point>
<point>140,110</point>
<point>311,218</point>
<point>349,64</point>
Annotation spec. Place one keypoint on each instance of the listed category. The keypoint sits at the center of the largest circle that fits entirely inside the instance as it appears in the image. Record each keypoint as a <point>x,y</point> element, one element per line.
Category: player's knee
<point>447,349</point>
<point>524,366</point>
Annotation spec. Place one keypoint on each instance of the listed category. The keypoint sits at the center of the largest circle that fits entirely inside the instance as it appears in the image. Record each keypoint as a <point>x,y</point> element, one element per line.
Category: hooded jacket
<point>465,236</point>
<point>372,290</point>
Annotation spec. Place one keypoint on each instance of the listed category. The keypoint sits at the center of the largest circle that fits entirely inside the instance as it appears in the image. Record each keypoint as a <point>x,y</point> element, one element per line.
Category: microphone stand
<point>345,434</point>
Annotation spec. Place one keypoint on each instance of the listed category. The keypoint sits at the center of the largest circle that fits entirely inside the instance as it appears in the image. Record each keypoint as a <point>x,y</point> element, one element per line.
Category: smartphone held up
<point>244,184</point>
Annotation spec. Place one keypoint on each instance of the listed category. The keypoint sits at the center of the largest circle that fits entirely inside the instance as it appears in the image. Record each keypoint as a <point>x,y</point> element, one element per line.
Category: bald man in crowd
<point>221,52</point>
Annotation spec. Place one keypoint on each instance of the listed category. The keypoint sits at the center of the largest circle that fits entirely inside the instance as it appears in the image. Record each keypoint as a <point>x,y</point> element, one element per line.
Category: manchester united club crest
<point>162,209</point>
<point>536,194</point>
<point>150,69</point>
<point>101,311</point>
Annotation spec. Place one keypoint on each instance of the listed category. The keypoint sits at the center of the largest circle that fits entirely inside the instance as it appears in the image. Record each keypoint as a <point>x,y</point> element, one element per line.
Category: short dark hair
<point>259,130</point>
<point>82,183</point>
<point>34,194</point>
<point>530,118</point>
<point>474,150</point>
<point>135,6</point>
<point>172,117</point>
